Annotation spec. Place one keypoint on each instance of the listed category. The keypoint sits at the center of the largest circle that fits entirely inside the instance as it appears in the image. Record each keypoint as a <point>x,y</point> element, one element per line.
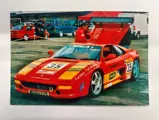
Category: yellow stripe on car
<point>73,71</point>
<point>65,87</point>
<point>32,65</point>
<point>111,76</point>
<point>112,83</point>
<point>25,70</point>
<point>83,63</point>
<point>68,75</point>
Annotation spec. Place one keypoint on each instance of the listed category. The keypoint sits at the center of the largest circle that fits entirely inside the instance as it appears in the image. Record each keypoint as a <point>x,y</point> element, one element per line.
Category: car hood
<point>53,69</point>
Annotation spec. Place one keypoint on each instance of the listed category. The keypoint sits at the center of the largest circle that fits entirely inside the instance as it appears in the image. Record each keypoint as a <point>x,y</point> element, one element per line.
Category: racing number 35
<point>54,65</point>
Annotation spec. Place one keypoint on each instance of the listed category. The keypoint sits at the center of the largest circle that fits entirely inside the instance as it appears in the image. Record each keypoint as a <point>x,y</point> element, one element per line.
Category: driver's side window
<point>118,51</point>
<point>107,50</point>
<point>29,28</point>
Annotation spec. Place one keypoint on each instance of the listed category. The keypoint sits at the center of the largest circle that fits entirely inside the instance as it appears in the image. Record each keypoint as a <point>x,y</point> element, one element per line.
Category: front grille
<point>38,85</point>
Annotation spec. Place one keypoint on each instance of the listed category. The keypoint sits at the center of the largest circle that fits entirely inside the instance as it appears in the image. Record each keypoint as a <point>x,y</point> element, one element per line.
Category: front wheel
<point>96,84</point>
<point>60,33</point>
<point>74,33</point>
<point>136,70</point>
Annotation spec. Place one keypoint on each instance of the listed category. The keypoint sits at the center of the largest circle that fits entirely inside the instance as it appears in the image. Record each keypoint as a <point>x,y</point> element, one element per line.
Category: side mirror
<point>50,52</point>
<point>110,57</point>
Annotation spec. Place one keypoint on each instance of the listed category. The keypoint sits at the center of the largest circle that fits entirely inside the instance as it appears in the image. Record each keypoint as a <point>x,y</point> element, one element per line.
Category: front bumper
<point>61,91</point>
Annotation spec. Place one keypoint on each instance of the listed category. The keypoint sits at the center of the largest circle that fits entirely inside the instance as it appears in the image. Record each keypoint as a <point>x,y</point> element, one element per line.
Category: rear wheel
<point>46,37</point>
<point>138,35</point>
<point>26,37</point>
<point>96,84</point>
<point>136,69</point>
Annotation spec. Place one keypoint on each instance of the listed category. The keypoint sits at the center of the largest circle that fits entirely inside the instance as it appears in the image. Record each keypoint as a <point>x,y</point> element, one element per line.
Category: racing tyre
<point>96,84</point>
<point>74,33</point>
<point>135,70</point>
<point>60,33</point>
<point>26,37</point>
<point>138,35</point>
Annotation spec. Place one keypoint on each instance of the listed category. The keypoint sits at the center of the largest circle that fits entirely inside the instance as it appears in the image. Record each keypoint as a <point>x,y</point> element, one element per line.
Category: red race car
<point>78,69</point>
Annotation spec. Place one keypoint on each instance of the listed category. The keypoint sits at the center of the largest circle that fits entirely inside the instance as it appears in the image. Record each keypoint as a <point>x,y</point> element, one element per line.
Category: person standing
<point>82,33</point>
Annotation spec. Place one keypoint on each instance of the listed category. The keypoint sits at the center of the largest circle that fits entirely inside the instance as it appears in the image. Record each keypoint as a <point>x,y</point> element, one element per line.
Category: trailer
<point>139,25</point>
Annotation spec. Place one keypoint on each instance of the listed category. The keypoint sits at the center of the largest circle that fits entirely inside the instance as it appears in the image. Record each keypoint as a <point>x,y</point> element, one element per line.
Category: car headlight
<point>17,82</point>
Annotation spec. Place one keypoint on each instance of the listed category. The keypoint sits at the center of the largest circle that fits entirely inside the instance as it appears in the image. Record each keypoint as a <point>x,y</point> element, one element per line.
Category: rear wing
<point>109,30</point>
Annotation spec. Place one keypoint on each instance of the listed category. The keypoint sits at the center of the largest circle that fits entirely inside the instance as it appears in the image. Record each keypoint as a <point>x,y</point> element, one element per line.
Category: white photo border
<point>8,112</point>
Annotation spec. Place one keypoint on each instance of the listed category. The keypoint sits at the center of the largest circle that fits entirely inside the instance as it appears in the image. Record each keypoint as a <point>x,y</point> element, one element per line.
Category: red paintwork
<point>106,33</point>
<point>105,66</point>
<point>19,34</point>
<point>109,33</point>
<point>100,14</point>
<point>80,36</point>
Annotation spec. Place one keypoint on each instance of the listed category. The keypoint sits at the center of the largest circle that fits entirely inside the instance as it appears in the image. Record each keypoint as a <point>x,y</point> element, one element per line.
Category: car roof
<point>19,25</point>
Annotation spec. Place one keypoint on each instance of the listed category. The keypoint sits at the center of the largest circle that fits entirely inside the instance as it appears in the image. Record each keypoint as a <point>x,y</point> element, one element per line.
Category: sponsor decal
<point>38,93</point>
<point>90,67</point>
<point>112,83</point>
<point>55,66</point>
<point>129,65</point>
<point>81,46</point>
<point>112,75</point>
<point>80,76</point>
<point>45,72</point>
<point>52,67</point>
<point>75,69</point>
<point>81,86</point>
<point>97,33</point>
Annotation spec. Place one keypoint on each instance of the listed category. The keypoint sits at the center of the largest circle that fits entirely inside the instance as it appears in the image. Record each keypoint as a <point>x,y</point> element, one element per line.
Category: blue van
<point>60,27</point>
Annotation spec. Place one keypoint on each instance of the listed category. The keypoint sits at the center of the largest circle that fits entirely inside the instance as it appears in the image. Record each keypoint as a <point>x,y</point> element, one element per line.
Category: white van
<point>139,27</point>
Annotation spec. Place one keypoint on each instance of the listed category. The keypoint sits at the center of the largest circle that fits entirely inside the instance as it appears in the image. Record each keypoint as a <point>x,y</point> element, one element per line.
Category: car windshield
<point>17,27</point>
<point>79,52</point>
